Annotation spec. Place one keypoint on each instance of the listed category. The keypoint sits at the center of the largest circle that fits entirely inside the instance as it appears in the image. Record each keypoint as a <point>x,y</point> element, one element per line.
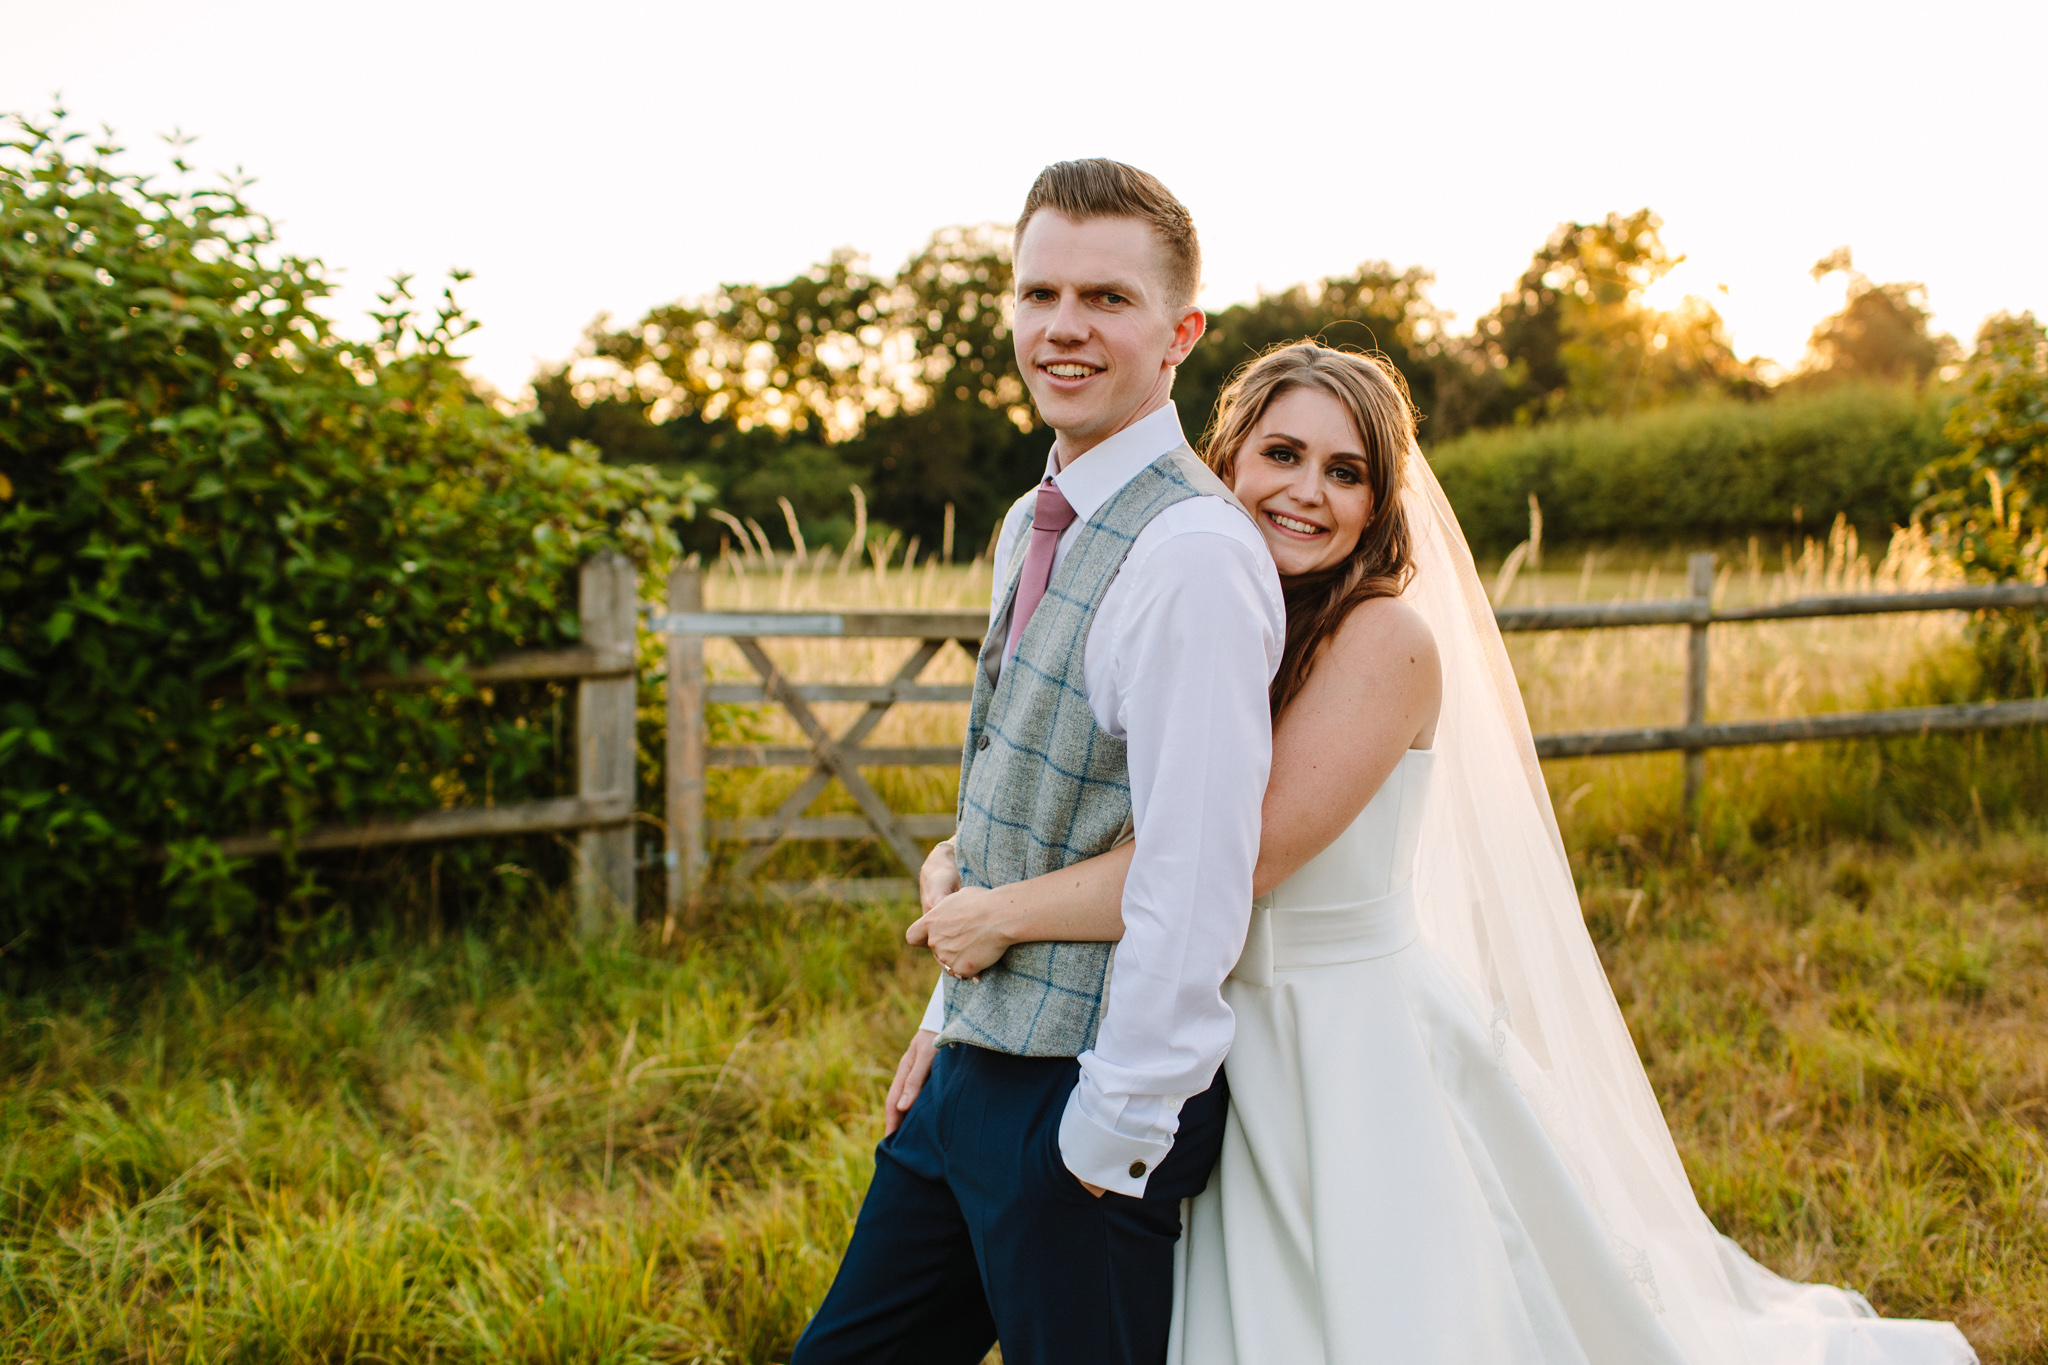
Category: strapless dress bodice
<point>1376,853</point>
<point>1355,900</point>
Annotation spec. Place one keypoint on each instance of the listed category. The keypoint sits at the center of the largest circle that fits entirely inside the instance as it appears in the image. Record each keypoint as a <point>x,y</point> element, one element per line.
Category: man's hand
<point>940,875</point>
<point>1096,1190</point>
<point>911,1074</point>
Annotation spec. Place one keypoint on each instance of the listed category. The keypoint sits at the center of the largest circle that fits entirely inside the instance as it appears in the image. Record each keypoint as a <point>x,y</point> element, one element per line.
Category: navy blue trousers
<point>975,1231</point>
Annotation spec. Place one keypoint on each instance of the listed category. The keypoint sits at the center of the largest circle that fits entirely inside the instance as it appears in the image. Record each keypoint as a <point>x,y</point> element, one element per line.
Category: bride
<point>1441,1144</point>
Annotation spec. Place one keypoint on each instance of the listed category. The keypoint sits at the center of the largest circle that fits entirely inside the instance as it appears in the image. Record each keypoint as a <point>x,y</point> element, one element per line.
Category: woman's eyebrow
<point>1349,455</point>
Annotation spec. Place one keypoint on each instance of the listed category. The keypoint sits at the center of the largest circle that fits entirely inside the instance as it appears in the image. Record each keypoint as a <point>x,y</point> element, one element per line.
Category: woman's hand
<point>964,931</point>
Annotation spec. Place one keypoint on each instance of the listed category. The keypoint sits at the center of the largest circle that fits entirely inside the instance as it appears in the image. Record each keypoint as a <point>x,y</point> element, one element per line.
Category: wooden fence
<point>602,812</point>
<point>830,756</point>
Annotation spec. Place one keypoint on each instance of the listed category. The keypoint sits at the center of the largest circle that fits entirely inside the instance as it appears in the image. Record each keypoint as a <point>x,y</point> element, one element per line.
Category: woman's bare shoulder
<point>1381,658</point>
<point>1380,631</point>
<point>1383,647</point>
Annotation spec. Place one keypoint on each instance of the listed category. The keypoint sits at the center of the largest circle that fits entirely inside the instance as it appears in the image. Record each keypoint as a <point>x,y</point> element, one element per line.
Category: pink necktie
<point>1054,515</point>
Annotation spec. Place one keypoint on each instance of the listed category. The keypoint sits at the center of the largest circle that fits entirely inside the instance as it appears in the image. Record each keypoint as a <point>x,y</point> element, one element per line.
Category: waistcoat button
<point>981,740</point>
<point>1137,1169</point>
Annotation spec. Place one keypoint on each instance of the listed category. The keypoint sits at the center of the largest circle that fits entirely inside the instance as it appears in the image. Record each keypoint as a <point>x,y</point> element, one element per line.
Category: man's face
<point>1097,338</point>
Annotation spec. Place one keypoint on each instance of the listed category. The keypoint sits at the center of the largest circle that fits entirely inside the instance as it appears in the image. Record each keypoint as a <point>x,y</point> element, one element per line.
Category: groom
<point>1032,1193</point>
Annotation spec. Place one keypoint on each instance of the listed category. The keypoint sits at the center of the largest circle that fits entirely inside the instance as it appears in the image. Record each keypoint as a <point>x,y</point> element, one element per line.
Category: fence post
<point>1700,573</point>
<point>605,601</point>
<point>685,756</point>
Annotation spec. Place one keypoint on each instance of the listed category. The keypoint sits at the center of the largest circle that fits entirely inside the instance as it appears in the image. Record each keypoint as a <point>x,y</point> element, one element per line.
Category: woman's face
<point>1302,475</point>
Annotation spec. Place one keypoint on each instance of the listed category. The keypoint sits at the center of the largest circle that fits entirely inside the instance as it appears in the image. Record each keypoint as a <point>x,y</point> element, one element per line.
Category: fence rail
<point>1699,609</point>
<point>531,665</point>
<point>1913,720</point>
<point>462,822</point>
<point>870,692</point>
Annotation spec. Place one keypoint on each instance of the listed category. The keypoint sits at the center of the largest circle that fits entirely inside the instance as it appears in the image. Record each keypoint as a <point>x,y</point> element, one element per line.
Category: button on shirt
<point>1178,661</point>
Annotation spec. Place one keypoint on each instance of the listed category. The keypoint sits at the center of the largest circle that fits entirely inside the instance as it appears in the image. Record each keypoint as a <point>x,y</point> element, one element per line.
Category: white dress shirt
<point>1178,661</point>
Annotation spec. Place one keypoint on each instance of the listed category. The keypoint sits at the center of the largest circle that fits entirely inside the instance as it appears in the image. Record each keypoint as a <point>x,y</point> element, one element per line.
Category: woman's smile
<point>1295,526</point>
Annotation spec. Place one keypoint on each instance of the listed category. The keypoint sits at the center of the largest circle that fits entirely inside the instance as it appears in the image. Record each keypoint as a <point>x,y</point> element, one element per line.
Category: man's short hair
<point>1101,188</point>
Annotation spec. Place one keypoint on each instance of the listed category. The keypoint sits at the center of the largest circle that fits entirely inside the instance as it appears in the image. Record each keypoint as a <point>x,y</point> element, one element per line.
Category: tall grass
<point>1845,1041</point>
<point>501,1146</point>
<point>506,1145</point>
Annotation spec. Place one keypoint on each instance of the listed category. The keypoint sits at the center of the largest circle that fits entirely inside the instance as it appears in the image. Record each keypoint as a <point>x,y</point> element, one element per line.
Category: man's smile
<point>1071,369</point>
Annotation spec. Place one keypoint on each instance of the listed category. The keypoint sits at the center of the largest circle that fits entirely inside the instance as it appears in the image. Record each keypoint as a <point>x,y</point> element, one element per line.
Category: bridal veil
<point>1496,896</point>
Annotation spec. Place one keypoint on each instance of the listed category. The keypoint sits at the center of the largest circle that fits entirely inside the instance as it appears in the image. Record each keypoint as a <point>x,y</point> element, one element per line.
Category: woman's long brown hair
<point>1376,396</point>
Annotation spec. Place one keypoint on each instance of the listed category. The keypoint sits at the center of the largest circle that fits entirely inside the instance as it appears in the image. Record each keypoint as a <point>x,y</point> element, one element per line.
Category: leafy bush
<point>1987,501</point>
<point>204,495</point>
<point>1699,471</point>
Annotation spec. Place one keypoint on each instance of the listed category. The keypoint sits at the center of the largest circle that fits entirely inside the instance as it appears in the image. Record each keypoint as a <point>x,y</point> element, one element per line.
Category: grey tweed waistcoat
<point>1042,786</point>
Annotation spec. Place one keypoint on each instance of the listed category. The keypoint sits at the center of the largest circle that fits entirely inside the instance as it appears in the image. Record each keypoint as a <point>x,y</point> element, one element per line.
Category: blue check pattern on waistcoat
<point>1042,786</point>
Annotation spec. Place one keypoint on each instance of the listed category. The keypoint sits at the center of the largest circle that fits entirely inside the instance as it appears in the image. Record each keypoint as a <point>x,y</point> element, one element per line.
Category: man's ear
<point>1186,332</point>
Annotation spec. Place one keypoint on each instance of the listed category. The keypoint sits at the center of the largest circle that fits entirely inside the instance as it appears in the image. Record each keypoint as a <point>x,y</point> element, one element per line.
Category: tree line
<point>907,385</point>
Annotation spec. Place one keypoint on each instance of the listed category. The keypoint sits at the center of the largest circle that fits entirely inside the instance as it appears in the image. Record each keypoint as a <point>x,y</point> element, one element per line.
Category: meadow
<point>486,1140</point>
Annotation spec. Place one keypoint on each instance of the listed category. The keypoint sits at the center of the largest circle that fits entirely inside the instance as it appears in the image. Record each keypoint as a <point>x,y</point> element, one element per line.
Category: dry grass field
<point>494,1143</point>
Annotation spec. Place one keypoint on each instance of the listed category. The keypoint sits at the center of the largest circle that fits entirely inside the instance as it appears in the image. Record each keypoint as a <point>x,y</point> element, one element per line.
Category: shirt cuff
<point>1102,1156</point>
<point>935,1008</point>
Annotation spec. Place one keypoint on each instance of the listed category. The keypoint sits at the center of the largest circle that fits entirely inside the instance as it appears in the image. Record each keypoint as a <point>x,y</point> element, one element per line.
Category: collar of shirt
<point>1090,481</point>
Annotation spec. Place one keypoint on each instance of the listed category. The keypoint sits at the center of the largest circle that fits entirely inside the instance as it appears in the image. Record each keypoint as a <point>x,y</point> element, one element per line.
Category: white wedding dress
<point>1441,1144</point>
<point>1385,1192</point>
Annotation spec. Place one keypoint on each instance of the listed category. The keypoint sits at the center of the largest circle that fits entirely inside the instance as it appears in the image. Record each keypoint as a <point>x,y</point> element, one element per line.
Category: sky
<point>603,160</point>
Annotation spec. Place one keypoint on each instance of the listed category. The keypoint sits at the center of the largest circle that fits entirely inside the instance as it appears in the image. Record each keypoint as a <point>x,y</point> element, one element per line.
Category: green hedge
<point>205,494</point>
<point>1699,472</point>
